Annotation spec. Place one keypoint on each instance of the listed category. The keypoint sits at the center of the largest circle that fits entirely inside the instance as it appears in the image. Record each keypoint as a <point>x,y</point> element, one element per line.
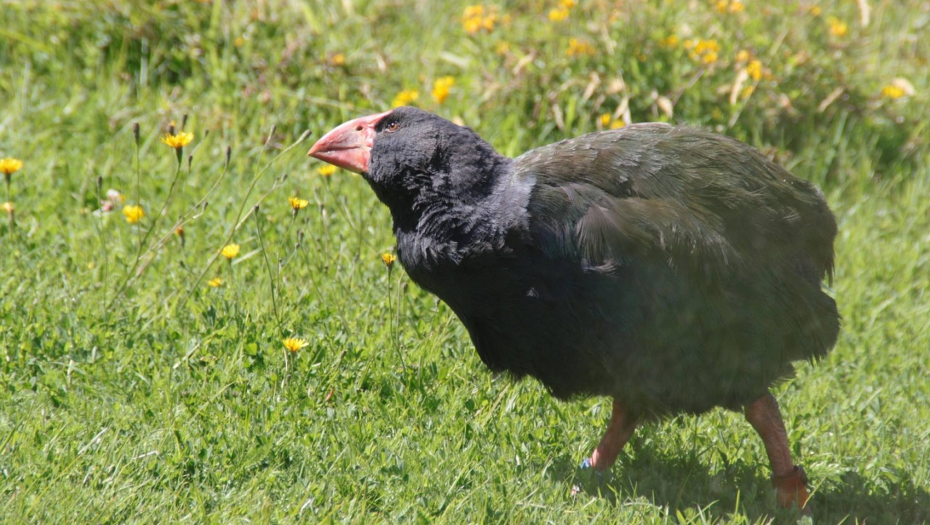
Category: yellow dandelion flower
<point>670,41</point>
<point>326,170</point>
<point>706,46</point>
<point>8,207</point>
<point>178,141</point>
<point>754,69</point>
<point>730,6</point>
<point>579,47</point>
<point>743,55</point>
<point>294,344</point>
<point>473,11</point>
<point>476,18</point>
<point>899,87</point>
<point>297,203</point>
<point>893,92</point>
<point>229,251</point>
<point>471,25</point>
<point>608,122</point>
<point>487,23</point>
<point>216,282</point>
<point>814,10</point>
<point>133,214</point>
<point>441,88</point>
<point>406,97</point>
<point>558,14</point>
<point>704,51</point>
<point>567,4</point>
<point>338,59</point>
<point>9,166</point>
<point>388,259</point>
<point>837,28</point>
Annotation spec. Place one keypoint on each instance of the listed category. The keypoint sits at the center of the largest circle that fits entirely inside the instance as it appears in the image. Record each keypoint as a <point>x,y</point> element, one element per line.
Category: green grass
<point>152,397</point>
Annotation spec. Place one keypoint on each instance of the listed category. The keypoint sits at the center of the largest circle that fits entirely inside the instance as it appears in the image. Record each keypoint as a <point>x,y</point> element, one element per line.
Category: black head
<point>411,157</point>
<point>417,155</point>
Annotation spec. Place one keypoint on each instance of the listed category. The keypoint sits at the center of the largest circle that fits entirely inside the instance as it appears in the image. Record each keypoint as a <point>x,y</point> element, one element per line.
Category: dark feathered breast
<point>673,269</point>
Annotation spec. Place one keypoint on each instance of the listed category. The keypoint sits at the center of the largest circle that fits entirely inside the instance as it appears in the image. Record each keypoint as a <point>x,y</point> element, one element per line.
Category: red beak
<point>348,145</point>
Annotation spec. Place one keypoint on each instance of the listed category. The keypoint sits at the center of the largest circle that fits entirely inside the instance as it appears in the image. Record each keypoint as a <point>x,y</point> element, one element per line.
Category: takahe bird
<point>670,268</point>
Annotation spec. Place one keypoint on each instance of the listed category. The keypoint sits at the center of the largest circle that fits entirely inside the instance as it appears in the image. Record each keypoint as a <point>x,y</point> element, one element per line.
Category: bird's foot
<point>618,433</point>
<point>603,457</point>
<point>791,490</point>
<point>598,475</point>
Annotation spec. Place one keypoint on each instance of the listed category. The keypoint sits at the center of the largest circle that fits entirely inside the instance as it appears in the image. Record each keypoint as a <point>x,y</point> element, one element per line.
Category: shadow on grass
<point>683,482</point>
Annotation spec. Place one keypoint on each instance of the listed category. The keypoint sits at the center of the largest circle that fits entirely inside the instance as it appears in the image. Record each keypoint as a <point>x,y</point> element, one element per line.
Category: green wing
<point>696,200</point>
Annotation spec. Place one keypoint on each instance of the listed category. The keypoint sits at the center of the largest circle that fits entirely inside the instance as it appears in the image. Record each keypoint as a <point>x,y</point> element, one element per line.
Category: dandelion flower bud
<point>388,259</point>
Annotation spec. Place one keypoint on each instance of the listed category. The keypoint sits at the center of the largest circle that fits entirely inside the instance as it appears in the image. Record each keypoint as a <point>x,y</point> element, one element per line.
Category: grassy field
<point>133,390</point>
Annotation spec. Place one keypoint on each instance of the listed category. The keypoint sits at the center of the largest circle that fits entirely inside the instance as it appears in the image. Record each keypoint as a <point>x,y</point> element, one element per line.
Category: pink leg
<point>789,480</point>
<point>618,433</point>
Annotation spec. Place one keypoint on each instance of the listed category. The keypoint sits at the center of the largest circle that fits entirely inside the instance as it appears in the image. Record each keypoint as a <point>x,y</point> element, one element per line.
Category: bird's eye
<point>392,126</point>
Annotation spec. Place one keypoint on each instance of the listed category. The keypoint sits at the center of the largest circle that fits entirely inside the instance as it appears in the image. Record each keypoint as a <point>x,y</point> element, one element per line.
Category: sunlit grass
<point>150,372</point>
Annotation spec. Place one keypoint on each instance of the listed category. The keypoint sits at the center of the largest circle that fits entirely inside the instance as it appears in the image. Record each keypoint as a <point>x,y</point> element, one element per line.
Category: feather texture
<point>671,268</point>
